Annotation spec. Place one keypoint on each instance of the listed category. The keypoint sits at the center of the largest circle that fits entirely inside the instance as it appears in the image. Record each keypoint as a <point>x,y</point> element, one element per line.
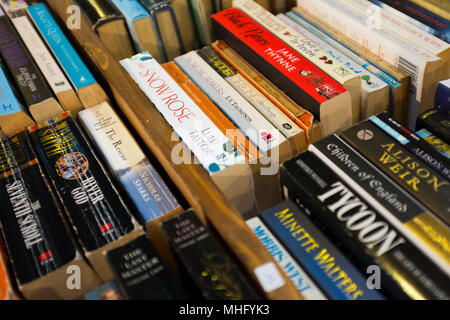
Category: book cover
<point>435,122</point>
<point>128,163</point>
<point>211,268</point>
<point>141,274</point>
<point>442,98</point>
<point>96,211</point>
<point>386,153</point>
<point>325,263</point>
<point>300,278</point>
<point>35,234</point>
<point>198,132</point>
<point>362,231</point>
<point>436,143</point>
<point>301,80</point>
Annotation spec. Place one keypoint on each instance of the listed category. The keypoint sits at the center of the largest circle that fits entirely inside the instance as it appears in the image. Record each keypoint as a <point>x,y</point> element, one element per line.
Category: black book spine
<point>141,273</point>
<point>367,237</point>
<point>415,144</point>
<point>266,68</point>
<point>208,264</point>
<point>435,122</point>
<point>96,210</point>
<point>99,12</point>
<point>36,237</point>
<point>408,171</point>
<point>26,74</point>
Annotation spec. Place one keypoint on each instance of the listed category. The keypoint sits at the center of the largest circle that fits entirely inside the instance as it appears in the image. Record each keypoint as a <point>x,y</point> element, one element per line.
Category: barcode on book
<point>408,68</point>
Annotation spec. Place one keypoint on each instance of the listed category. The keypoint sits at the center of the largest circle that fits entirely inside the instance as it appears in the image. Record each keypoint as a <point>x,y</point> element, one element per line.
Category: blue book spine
<point>70,61</point>
<point>442,100</point>
<point>125,158</point>
<point>8,101</point>
<point>330,269</point>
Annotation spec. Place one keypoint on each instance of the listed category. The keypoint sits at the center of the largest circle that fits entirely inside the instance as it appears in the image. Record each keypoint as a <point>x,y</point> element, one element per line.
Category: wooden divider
<point>192,180</point>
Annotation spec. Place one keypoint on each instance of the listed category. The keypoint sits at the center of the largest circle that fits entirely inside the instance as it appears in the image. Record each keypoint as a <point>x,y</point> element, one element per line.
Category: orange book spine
<point>241,143</point>
<point>300,116</point>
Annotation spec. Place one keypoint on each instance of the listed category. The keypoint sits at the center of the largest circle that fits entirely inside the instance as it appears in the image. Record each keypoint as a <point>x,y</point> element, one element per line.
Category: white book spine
<point>298,276</point>
<point>44,59</point>
<point>196,130</point>
<point>263,134</point>
<point>389,46</point>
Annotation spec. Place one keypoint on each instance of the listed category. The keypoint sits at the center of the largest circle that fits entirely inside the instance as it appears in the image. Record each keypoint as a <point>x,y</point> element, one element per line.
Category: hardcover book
<point>329,268</point>
<point>306,84</point>
<point>201,12</point>
<point>185,20</point>
<point>211,268</point>
<point>304,284</point>
<point>374,92</point>
<point>303,118</point>
<point>141,274</point>
<point>364,233</point>
<point>206,141</point>
<point>435,122</point>
<point>87,88</point>
<point>331,66</point>
<point>294,134</point>
<point>110,26</point>
<point>386,153</point>
<point>26,74</point>
<point>51,71</point>
<point>442,99</point>
<point>96,211</point>
<point>128,163</point>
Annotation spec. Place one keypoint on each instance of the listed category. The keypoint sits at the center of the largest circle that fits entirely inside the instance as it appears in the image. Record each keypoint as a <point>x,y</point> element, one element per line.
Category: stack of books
<point>151,144</point>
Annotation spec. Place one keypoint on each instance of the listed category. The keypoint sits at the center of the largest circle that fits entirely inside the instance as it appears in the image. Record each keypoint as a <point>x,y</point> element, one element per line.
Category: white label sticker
<point>269,277</point>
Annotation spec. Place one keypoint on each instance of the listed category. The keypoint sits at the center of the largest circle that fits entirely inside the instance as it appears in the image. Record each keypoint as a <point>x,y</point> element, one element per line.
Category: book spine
<point>241,143</point>
<point>275,59</point>
<point>196,130</point>
<point>212,269</point>
<point>18,60</point>
<point>435,143</point>
<point>99,12</point>
<point>128,163</point>
<point>299,115</point>
<point>297,274</point>
<point>140,272</point>
<point>334,68</point>
<point>435,122</point>
<point>36,237</point>
<point>8,101</point>
<point>442,99</point>
<point>66,55</point>
<point>330,269</point>
<point>406,272</point>
<point>266,108</point>
<point>261,133</point>
<point>203,35</point>
<point>415,145</point>
<point>401,166</point>
<point>92,203</point>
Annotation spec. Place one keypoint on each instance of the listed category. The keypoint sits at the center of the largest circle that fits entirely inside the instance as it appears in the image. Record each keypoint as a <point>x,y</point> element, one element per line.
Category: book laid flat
<point>303,118</point>
<point>305,285</point>
<point>423,67</point>
<point>329,65</point>
<point>293,133</point>
<point>435,122</point>
<point>198,132</point>
<point>110,26</point>
<point>209,266</point>
<point>304,82</point>
<point>97,212</point>
<point>141,274</point>
<point>436,143</point>
<point>364,233</point>
<point>12,115</point>
<point>7,292</point>
<point>87,88</point>
<point>185,20</point>
<point>51,71</point>
<point>28,78</point>
<point>442,98</point>
<point>139,23</point>
<point>128,163</point>
<point>326,264</point>
<point>38,242</point>
<point>165,24</point>
<point>374,91</point>
<point>386,153</point>
<point>397,80</point>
